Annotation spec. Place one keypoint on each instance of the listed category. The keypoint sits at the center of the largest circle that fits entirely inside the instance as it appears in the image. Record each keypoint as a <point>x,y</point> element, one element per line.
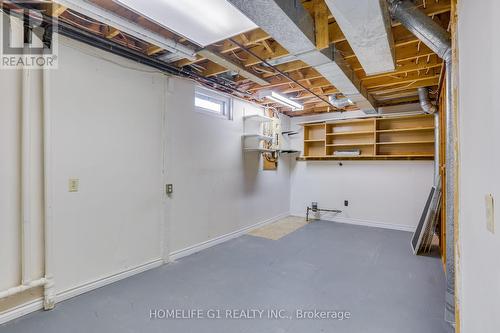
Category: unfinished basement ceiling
<point>367,26</point>
<point>415,64</point>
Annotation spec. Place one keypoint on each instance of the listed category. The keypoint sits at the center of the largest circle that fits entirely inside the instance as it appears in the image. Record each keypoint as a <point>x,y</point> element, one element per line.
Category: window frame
<point>214,97</point>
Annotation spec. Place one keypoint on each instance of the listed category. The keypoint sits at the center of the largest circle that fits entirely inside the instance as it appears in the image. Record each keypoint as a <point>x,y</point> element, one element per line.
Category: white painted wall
<point>107,129</point>
<point>380,193</point>
<point>479,124</point>
<point>125,130</point>
<point>217,187</point>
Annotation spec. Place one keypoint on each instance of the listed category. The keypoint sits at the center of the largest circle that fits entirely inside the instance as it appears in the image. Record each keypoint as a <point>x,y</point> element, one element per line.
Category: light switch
<point>490,213</point>
<point>73,184</point>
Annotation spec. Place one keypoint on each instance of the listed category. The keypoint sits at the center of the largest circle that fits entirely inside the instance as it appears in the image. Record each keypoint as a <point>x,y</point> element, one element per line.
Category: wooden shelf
<point>349,121</point>
<point>406,130</point>
<point>365,158</point>
<point>261,150</point>
<point>350,144</point>
<point>350,133</point>
<point>315,140</point>
<point>382,138</point>
<point>403,142</point>
<point>258,137</point>
<point>258,117</point>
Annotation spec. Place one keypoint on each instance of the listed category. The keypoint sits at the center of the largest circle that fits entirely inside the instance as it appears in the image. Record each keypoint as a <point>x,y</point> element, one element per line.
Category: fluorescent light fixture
<point>274,96</point>
<point>201,21</point>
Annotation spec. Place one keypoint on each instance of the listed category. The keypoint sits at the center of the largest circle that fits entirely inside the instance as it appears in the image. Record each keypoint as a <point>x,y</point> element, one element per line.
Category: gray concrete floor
<point>369,272</point>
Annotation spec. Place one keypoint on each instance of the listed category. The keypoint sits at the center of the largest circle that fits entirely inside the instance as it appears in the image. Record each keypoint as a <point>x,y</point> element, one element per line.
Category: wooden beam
<point>226,64</point>
<point>250,40</point>
<point>321,24</point>
<point>211,69</point>
<point>402,87</point>
<point>432,8</point>
<point>153,49</point>
<point>405,67</point>
<point>57,10</point>
<point>309,73</point>
<point>262,52</point>
<point>391,81</point>
<point>112,33</point>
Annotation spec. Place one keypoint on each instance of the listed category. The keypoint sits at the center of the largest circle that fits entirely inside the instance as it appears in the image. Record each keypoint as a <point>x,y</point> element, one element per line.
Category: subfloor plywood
<point>280,228</point>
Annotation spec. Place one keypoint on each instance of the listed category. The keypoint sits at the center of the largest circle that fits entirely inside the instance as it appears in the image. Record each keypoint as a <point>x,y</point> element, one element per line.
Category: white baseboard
<point>62,296</point>
<point>21,310</point>
<point>37,304</point>
<point>214,241</point>
<point>375,224</point>
<point>367,223</point>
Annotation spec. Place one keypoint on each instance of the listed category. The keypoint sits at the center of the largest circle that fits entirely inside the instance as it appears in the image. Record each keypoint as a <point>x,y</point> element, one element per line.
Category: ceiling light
<point>202,22</point>
<point>274,96</point>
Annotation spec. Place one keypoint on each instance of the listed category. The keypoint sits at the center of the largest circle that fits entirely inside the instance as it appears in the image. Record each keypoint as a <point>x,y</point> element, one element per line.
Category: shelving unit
<point>254,141</point>
<point>314,139</point>
<point>409,137</point>
<point>258,118</point>
<point>260,150</point>
<point>348,135</point>
<point>258,137</point>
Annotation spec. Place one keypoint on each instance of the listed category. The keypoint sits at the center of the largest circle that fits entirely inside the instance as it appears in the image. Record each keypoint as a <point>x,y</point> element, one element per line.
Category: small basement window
<point>210,102</point>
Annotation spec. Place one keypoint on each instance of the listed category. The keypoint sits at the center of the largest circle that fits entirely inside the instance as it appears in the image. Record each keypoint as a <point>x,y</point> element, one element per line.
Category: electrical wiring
<point>96,55</point>
<point>280,72</point>
<point>75,31</point>
<point>237,57</point>
<point>84,18</point>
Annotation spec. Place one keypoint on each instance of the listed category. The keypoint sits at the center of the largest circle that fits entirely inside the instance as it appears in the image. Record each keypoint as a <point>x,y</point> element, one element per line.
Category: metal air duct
<point>439,41</point>
<point>425,101</point>
<point>366,24</point>
<point>291,25</point>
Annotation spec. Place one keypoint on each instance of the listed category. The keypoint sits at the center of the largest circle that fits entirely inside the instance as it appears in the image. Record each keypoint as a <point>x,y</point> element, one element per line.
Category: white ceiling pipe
<point>104,16</point>
<point>366,24</point>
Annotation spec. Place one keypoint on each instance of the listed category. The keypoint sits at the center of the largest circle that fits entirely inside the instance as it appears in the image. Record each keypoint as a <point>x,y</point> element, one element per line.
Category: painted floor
<point>369,273</point>
<point>280,228</point>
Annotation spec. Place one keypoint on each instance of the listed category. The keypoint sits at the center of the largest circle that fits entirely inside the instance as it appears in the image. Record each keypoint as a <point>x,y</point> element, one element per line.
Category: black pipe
<point>105,44</point>
<point>108,45</point>
<point>281,72</point>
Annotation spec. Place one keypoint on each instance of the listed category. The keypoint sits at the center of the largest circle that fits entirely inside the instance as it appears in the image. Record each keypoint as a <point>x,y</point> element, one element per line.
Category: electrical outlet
<point>490,213</point>
<point>169,188</point>
<point>73,185</point>
<point>346,203</point>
